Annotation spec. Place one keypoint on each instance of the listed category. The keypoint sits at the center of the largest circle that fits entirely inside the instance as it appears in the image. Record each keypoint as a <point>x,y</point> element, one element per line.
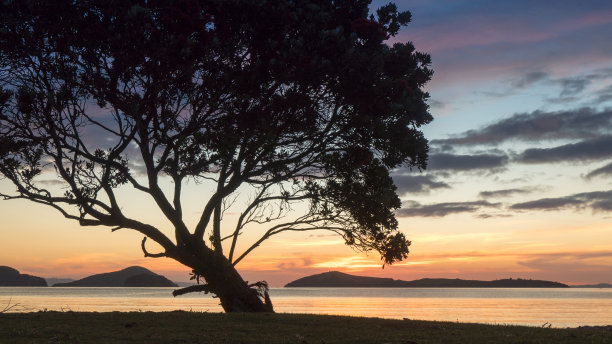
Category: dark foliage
<point>301,101</point>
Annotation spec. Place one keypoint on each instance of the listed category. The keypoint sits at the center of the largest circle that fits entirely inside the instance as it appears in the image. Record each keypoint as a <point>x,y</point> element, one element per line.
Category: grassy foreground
<point>187,327</point>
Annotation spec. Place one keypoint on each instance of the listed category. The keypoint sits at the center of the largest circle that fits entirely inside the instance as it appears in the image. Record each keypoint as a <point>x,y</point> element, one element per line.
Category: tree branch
<point>205,288</point>
<point>289,226</point>
<point>226,190</point>
<point>147,254</point>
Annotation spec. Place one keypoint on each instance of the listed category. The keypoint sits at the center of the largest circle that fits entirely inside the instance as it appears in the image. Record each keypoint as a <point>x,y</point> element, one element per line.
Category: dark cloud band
<point>599,148</point>
<point>416,209</point>
<point>417,184</point>
<point>596,200</point>
<point>504,193</point>
<point>536,126</point>
<point>455,162</point>
<point>602,171</point>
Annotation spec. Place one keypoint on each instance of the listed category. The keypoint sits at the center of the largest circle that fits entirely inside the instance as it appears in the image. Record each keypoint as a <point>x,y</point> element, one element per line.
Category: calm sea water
<point>534,307</point>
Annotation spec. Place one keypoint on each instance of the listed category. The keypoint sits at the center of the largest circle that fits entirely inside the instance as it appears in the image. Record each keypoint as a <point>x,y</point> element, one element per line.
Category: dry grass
<point>187,327</point>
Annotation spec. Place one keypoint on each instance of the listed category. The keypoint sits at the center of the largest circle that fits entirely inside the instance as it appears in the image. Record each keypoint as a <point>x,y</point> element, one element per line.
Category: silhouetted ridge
<point>146,280</point>
<point>10,277</point>
<point>336,279</point>
<point>134,276</point>
<point>599,285</point>
<point>339,279</point>
<point>56,280</point>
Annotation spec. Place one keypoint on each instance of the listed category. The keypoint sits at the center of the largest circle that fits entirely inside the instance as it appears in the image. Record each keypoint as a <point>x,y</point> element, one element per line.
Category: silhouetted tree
<point>287,101</point>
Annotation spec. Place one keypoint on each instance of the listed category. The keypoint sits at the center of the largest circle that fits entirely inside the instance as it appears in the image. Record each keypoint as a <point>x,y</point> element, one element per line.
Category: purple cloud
<point>537,126</point>
<point>445,162</point>
<point>417,184</point>
<point>596,200</point>
<point>416,209</point>
<point>595,149</point>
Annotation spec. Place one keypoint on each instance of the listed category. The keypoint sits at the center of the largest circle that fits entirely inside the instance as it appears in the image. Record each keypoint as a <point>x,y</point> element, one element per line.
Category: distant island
<point>336,279</point>
<point>133,276</point>
<point>55,280</point>
<point>10,277</point>
<point>599,285</point>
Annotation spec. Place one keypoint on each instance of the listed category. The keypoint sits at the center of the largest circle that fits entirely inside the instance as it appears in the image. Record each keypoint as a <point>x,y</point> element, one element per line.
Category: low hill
<point>336,279</point>
<point>55,280</point>
<point>147,280</point>
<point>502,283</point>
<point>599,285</point>
<point>341,280</point>
<point>134,276</point>
<point>10,277</point>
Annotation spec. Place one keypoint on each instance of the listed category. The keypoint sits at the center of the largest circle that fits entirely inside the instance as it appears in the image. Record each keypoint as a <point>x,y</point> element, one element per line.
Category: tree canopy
<point>300,101</point>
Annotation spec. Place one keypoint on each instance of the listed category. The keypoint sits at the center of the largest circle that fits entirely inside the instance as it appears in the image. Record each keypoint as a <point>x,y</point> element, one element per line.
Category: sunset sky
<point>519,182</point>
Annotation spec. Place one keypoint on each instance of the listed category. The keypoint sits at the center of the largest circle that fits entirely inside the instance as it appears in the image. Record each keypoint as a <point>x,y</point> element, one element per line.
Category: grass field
<point>188,327</point>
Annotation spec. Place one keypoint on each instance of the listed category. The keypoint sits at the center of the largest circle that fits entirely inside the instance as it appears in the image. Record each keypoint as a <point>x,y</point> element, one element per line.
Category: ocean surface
<point>519,306</point>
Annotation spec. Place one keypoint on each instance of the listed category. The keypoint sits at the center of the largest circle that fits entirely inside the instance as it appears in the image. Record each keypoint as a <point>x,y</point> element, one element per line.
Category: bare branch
<point>205,288</point>
<point>254,213</point>
<point>14,307</point>
<point>147,254</point>
<point>291,226</point>
<point>216,198</point>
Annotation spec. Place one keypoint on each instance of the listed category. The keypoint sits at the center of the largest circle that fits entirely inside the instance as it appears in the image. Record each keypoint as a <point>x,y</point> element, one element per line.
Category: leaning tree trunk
<point>224,281</point>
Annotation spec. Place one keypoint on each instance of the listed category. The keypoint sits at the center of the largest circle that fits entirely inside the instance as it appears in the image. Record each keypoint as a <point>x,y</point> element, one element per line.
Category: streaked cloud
<point>294,264</point>
<point>537,126</point>
<point>417,184</point>
<point>416,209</point>
<point>436,104</point>
<point>529,79</point>
<point>596,201</point>
<point>604,94</point>
<point>594,149</point>
<point>453,162</point>
<point>504,193</point>
<point>600,172</point>
<point>571,88</point>
<point>295,261</point>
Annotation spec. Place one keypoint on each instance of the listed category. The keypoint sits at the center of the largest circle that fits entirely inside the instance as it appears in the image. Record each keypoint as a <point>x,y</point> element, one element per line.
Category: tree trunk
<point>223,280</point>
